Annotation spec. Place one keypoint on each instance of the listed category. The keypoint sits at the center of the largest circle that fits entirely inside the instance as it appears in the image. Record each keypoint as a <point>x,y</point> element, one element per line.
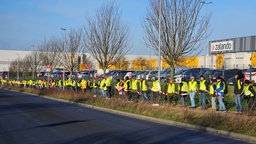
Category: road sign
<point>48,68</point>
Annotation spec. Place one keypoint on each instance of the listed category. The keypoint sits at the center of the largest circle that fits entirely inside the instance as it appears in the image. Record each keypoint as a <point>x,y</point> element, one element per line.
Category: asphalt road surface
<point>27,119</point>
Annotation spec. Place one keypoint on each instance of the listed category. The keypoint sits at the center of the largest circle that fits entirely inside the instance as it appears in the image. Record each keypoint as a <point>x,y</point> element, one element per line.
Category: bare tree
<point>49,53</point>
<point>182,28</point>
<point>71,50</point>
<point>33,62</point>
<point>106,38</point>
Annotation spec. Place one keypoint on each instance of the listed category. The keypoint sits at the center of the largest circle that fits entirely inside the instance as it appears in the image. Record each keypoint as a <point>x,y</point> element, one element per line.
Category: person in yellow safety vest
<point>108,86</point>
<point>170,91</point>
<point>238,89</point>
<point>220,86</point>
<point>45,84</point>
<point>119,86</point>
<point>68,84</point>
<point>127,87</point>
<point>144,89</point>
<point>59,84</point>
<point>52,83</point>
<point>103,87</point>
<point>192,88</point>
<point>156,88</point>
<point>203,85</point>
<point>74,85</point>
<point>30,83</point>
<point>79,85</point>
<point>83,85</point>
<point>183,91</point>
<point>95,86</point>
<point>212,87</point>
<point>249,94</point>
<point>89,85</point>
<point>134,89</point>
<point>24,82</point>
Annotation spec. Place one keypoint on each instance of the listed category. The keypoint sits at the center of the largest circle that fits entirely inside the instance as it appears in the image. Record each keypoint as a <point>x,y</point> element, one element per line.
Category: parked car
<point>196,72</point>
<point>57,74</point>
<point>138,74</point>
<point>117,74</point>
<point>231,80</point>
<point>250,74</point>
<point>147,74</point>
<point>209,74</point>
<point>227,73</point>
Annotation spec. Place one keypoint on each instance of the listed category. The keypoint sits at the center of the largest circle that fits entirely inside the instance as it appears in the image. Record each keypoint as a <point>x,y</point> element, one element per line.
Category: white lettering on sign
<point>222,46</point>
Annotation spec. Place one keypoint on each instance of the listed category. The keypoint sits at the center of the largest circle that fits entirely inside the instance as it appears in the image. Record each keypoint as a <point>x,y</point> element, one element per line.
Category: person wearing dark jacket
<point>203,85</point>
<point>249,94</point>
<point>238,90</point>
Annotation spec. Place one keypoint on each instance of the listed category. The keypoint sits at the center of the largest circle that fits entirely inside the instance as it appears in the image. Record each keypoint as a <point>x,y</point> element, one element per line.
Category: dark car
<point>209,74</point>
<point>196,72</point>
<point>231,80</point>
<point>227,73</point>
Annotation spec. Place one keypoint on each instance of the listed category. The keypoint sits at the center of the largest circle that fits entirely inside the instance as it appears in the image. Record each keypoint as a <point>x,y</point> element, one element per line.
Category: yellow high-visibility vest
<point>192,86</point>
<point>247,92</point>
<point>143,85</point>
<point>134,85</point>
<point>184,87</point>
<point>202,85</point>
<point>171,88</point>
<point>155,86</point>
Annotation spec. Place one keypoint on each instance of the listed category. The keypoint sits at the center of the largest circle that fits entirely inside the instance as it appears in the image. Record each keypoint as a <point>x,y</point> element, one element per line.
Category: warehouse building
<point>226,53</point>
<point>231,53</point>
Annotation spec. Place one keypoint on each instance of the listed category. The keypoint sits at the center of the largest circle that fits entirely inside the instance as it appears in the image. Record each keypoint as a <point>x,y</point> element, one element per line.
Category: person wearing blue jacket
<point>219,91</point>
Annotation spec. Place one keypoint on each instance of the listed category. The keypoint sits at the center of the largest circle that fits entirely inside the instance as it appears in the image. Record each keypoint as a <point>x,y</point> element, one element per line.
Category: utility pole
<point>159,39</point>
<point>205,40</point>
<point>63,72</point>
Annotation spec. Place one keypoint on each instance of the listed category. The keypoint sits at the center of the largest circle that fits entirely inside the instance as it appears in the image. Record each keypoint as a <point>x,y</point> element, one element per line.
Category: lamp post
<point>33,67</point>
<point>8,69</point>
<point>205,42</point>
<point>159,39</point>
<point>63,72</point>
<point>18,67</point>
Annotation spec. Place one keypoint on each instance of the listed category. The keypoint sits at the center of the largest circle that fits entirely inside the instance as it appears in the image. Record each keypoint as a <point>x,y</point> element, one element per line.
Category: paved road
<point>26,119</point>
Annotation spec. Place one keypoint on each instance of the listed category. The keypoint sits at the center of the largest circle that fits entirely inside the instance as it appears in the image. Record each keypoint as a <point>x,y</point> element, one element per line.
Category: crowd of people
<point>156,92</point>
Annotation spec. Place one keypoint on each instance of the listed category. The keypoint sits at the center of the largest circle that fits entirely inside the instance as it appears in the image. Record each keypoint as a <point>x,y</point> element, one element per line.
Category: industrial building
<point>226,53</point>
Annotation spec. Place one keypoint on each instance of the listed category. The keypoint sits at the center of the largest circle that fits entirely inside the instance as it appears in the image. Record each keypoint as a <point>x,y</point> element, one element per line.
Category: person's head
<point>213,80</point>
<point>239,75</point>
<point>171,80</point>
<point>153,78</point>
<point>126,78</point>
<point>192,78</point>
<point>246,82</point>
<point>219,78</point>
<point>201,77</point>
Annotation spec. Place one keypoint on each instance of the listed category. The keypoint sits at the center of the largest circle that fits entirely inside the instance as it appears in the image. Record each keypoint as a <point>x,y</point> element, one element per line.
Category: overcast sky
<point>28,22</point>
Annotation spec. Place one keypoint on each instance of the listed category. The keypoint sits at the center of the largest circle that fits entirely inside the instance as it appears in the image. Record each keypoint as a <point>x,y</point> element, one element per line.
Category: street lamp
<point>205,42</point>
<point>63,72</point>
<point>33,60</point>
<point>159,39</point>
<point>18,67</point>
